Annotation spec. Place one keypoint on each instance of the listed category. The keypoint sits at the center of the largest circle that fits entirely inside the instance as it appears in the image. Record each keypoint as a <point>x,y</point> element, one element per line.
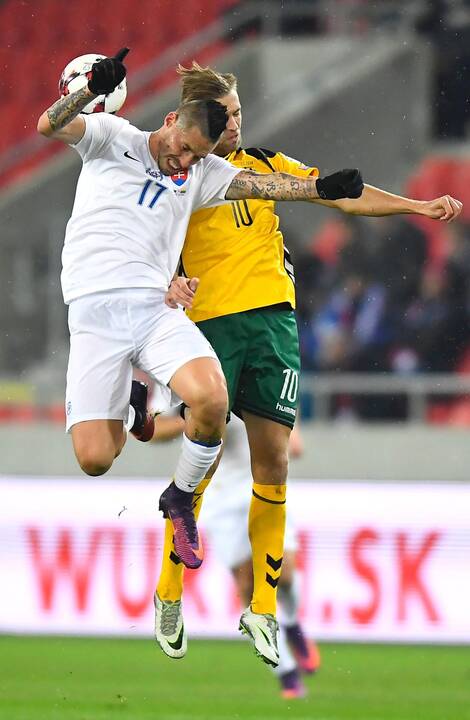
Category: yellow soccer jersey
<point>237,250</point>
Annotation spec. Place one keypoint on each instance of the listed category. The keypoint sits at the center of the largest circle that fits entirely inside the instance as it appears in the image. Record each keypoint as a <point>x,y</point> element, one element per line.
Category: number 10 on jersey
<point>291,385</point>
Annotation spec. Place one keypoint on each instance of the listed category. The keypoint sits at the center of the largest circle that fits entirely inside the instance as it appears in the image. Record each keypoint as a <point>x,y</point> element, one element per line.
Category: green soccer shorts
<point>259,353</point>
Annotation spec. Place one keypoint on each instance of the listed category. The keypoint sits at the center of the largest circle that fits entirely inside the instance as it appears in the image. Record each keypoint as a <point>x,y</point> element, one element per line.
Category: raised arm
<point>62,121</point>
<point>375,202</point>
<point>248,185</point>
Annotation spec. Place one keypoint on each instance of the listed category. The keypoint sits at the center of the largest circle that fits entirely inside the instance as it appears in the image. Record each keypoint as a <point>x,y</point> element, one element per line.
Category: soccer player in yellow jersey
<point>244,305</point>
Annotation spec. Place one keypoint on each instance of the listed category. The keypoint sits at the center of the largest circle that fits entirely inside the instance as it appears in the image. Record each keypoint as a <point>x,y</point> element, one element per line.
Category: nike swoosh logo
<point>264,635</point>
<point>178,642</point>
<point>126,154</point>
<point>252,634</point>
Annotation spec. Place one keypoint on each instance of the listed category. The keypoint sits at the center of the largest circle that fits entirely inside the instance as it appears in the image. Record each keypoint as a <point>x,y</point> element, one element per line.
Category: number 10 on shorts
<point>291,385</point>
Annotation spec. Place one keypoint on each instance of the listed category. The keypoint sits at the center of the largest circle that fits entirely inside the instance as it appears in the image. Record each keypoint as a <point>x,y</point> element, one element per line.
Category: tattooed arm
<point>62,120</point>
<point>281,186</point>
<point>272,186</point>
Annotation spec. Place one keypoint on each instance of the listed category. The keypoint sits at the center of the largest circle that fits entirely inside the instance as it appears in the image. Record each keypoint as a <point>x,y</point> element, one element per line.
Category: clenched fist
<point>107,73</point>
<point>341,184</point>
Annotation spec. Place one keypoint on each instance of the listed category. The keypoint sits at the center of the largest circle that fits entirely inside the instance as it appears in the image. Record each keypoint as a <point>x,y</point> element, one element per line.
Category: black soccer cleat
<point>144,423</point>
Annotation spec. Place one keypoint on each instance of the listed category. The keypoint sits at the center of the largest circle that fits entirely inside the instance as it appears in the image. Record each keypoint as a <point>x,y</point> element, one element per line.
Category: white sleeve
<point>216,178</point>
<point>100,131</point>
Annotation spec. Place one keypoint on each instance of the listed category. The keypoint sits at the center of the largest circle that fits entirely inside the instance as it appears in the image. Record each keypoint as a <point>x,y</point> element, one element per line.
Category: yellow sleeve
<point>284,163</point>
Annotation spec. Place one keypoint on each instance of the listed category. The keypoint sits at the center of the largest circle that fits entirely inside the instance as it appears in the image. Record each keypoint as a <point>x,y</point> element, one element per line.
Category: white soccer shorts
<point>111,332</point>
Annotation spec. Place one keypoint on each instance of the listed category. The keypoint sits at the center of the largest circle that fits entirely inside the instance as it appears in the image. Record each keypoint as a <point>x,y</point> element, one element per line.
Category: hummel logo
<point>126,154</point>
<point>275,564</point>
<point>271,581</point>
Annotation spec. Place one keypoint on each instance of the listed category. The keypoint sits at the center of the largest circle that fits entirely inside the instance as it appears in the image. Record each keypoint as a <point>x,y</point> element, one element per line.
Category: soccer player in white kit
<point>134,197</point>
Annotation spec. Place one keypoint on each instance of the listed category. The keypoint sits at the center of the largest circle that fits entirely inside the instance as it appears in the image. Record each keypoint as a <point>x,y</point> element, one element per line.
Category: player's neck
<point>154,144</point>
<point>224,152</point>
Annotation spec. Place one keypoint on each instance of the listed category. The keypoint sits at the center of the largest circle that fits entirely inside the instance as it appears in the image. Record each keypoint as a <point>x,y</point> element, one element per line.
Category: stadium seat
<point>460,413</point>
<point>49,34</point>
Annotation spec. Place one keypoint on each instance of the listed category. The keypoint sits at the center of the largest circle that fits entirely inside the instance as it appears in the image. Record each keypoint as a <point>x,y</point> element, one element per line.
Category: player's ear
<point>171,118</point>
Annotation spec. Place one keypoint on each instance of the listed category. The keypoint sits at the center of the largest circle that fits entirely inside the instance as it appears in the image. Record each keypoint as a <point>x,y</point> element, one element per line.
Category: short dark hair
<point>209,116</point>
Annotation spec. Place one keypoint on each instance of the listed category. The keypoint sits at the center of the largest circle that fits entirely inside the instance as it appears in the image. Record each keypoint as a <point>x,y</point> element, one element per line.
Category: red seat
<point>435,177</point>
<point>42,37</point>
<point>460,413</point>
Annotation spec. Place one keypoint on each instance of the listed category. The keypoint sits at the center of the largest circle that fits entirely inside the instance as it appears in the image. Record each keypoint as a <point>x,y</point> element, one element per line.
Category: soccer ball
<point>76,75</point>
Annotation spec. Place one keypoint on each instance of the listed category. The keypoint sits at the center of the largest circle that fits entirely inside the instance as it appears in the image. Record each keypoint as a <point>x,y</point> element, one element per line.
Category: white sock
<point>193,464</point>
<point>130,419</point>
<point>289,599</point>
<point>287,662</point>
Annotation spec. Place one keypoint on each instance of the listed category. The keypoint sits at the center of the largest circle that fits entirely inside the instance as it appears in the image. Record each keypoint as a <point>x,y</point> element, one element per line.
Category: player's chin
<point>227,146</point>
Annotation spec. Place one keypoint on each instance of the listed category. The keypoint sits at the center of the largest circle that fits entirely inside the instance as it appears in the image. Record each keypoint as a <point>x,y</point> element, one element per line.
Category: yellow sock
<point>170,582</point>
<point>266,526</point>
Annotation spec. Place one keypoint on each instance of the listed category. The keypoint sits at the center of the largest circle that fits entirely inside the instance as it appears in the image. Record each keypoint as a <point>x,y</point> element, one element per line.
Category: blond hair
<point>198,83</point>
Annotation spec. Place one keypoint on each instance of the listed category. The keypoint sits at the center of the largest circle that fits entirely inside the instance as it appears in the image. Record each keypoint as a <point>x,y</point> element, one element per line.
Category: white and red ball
<point>76,75</point>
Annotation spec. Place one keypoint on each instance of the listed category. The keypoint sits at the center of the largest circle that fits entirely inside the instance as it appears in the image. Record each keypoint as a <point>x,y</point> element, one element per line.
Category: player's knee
<point>211,403</point>
<point>271,466</point>
<point>94,467</point>
<point>95,448</point>
<point>270,452</point>
<point>94,463</point>
<point>216,409</point>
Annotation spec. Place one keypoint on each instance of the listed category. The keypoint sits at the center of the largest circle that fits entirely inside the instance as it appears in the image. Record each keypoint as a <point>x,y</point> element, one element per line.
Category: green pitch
<point>82,679</point>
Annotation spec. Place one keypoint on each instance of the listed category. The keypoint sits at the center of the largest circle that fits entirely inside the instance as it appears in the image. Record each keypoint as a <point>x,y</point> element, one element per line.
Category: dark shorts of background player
<point>259,353</point>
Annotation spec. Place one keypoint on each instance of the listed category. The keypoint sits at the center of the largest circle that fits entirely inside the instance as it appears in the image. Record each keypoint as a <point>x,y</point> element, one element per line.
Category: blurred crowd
<point>372,299</point>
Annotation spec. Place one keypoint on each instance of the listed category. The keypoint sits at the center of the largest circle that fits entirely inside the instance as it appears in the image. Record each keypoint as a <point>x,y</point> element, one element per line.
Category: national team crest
<point>179,178</point>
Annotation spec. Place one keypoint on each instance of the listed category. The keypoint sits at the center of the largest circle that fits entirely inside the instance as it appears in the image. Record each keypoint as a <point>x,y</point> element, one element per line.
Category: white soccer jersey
<point>129,221</point>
